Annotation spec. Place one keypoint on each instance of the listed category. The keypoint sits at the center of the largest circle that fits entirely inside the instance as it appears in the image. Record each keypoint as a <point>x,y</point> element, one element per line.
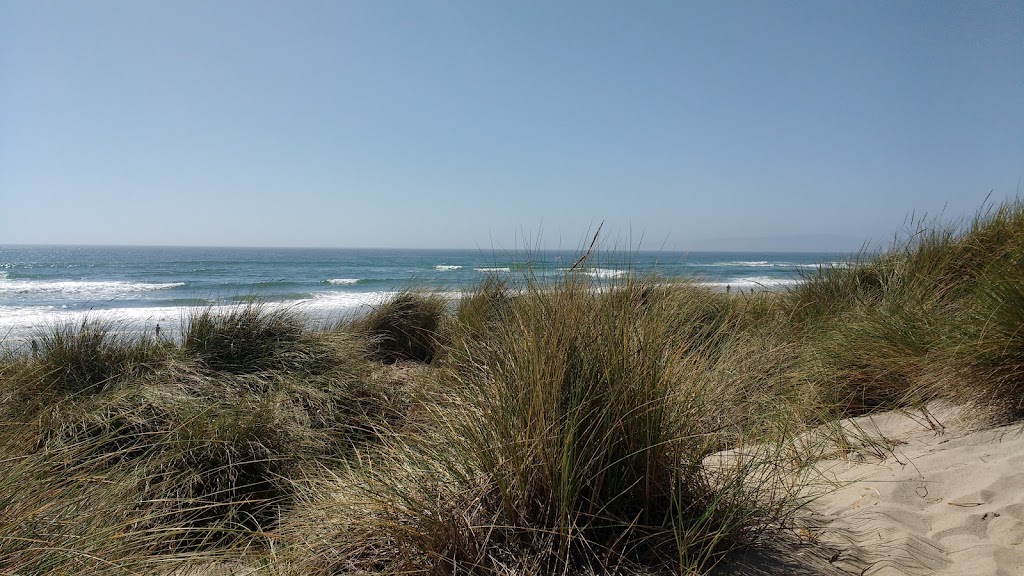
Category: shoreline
<point>20,324</point>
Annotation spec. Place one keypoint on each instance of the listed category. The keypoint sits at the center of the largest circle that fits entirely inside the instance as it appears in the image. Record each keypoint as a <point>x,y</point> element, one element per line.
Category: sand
<point>936,497</point>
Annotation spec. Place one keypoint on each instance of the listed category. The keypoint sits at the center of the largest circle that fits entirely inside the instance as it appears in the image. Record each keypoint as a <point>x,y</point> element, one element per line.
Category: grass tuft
<point>483,306</point>
<point>248,338</point>
<point>86,357</point>
<point>407,326</point>
<point>570,436</point>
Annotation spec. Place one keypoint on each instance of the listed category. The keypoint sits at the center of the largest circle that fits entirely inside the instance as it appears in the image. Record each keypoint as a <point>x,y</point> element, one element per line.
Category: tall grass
<point>916,323</point>
<point>249,338</point>
<point>996,359</point>
<point>484,305</point>
<point>570,436</point>
<point>85,357</point>
<point>152,470</point>
<point>588,425</point>
<point>407,326</point>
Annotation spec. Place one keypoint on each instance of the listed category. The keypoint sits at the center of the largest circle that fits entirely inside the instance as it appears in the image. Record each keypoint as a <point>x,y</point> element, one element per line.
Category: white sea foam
<point>81,289</point>
<point>447,267</point>
<point>20,323</point>
<point>336,300</point>
<point>494,269</point>
<point>332,305</point>
<point>766,264</point>
<point>23,322</point>
<point>596,272</point>
<point>343,281</point>
<point>757,283</point>
<point>813,266</point>
<point>737,264</point>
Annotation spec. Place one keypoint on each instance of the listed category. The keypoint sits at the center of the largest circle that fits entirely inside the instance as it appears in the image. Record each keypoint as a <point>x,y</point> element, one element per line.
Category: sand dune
<point>943,499</point>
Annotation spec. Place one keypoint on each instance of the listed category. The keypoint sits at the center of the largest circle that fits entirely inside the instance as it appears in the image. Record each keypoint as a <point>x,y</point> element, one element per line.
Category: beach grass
<point>598,424</point>
<point>407,326</point>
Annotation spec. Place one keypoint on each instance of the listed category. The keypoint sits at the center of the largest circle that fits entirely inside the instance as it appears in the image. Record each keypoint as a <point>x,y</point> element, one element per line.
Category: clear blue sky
<point>799,125</point>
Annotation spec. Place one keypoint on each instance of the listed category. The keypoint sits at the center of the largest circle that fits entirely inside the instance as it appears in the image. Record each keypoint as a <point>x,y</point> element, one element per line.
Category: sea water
<point>141,287</point>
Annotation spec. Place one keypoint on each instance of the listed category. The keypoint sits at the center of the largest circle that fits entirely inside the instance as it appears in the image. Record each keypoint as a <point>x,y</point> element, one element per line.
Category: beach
<point>574,416</point>
<point>462,288</point>
<point>920,493</point>
<point>942,497</point>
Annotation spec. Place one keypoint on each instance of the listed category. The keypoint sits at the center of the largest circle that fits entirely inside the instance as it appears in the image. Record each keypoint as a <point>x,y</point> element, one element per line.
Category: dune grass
<point>84,358</point>
<point>408,326</point>
<point>249,338</point>
<point>585,420</point>
<point>595,425</point>
<point>191,456</point>
<point>484,305</point>
<point>915,323</point>
<point>569,436</point>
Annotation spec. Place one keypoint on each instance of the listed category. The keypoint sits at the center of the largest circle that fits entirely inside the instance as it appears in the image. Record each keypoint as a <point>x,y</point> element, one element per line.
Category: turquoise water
<point>144,286</point>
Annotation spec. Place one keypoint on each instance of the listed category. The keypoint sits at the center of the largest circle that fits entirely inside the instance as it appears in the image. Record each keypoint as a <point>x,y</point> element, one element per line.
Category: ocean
<point>141,287</point>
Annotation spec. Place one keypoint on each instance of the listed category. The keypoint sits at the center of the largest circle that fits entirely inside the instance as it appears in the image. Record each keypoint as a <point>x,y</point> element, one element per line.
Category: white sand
<point>944,500</point>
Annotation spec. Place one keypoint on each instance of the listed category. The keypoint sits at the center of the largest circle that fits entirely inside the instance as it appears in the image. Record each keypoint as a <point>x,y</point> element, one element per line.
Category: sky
<point>447,124</point>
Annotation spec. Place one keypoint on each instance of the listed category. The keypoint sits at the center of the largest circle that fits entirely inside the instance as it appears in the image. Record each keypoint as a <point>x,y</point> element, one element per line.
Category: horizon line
<point>423,249</point>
